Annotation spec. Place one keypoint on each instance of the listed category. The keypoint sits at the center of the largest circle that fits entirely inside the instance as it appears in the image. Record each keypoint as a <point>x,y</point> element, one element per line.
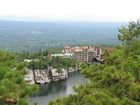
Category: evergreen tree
<point>117,81</point>
<point>13,89</point>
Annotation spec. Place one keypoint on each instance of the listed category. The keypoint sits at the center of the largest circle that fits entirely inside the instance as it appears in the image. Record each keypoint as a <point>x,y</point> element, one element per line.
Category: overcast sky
<point>71,10</point>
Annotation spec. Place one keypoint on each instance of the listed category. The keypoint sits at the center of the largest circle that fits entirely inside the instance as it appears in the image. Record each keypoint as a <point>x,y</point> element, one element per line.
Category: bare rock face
<point>56,76</point>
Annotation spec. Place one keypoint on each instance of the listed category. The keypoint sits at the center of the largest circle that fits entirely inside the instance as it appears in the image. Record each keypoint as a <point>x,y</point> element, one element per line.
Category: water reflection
<point>58,89</point>
<point>54,87</point>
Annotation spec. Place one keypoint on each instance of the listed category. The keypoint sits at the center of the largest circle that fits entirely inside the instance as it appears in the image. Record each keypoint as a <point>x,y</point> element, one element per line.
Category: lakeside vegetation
<point>117,82</point>
<point>13,89</point>
<point>43,60</point>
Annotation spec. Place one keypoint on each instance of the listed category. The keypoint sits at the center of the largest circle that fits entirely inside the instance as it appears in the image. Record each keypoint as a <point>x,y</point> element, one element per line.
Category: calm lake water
<point>54,90</point>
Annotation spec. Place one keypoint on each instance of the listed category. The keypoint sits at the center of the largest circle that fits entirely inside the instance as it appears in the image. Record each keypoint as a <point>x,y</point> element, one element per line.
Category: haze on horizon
<point>70,10</point>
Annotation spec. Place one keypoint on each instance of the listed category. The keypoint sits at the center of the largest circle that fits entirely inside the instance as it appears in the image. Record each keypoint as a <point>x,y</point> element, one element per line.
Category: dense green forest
<point>13,89</point>
<point>43,60</point>
<point>117,82</point>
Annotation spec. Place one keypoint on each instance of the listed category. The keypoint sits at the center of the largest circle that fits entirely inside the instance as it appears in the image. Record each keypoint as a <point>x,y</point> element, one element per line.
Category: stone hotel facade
<point>84,53</point>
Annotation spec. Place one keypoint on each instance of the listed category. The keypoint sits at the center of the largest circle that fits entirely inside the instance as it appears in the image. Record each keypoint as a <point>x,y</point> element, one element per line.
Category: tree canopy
<point>117,81</point>
<point>13,88</point>
<point>43,59</point>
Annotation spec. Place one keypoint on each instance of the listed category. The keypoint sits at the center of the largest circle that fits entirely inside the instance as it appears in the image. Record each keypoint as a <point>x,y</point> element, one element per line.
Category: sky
<point>70,10</point>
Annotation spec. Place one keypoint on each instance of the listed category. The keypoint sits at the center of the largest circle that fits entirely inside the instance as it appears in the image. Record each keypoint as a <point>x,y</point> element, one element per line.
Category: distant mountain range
<point>32,36</point>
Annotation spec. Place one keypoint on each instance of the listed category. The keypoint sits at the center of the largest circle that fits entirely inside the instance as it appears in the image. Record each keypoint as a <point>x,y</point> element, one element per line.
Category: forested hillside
<point>117,82</point>
<point>32,36</point>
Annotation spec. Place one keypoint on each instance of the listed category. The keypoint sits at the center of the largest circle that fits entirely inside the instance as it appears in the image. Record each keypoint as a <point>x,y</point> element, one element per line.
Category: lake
<point>55,90</point>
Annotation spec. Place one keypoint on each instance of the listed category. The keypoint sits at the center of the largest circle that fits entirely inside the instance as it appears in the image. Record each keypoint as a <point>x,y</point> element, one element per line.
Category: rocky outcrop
<point>29,77</point>
<point>48,75</point>
<point>41,76</point>
<point>56,76</point>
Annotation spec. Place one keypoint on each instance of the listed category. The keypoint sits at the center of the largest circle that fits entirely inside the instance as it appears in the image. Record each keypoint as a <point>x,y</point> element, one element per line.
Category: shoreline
<point>42,77</point>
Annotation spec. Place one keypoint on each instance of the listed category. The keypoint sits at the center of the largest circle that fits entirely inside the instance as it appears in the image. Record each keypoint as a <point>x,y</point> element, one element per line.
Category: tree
<point>13,88</point>
<point>129,33</point>
<point>117,81</point>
